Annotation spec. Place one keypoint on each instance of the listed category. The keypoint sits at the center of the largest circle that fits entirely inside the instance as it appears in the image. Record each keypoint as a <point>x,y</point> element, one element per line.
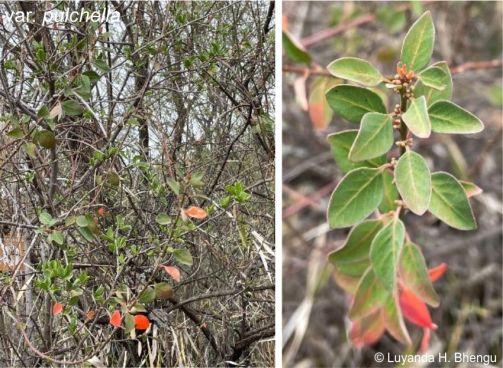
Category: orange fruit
<point>141,322</point>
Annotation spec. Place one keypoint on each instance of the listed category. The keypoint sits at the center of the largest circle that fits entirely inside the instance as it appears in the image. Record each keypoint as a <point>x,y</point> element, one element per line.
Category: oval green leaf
<point>370,295</point>
<point>385,253</point>
<point>413,180</point>
<point>416,118</point>
<point>449,202</point>
<point>433,77</point>
<point>417,46</point>
<point>447,117</point>
<point>294,50</point>
<point>71,108</point>
<point>414,274</point>
<point>355,70</point>
<point>163,219</point>
<point>390,193</point>
<point>353,102</point>
<point>147,296</point>
<point>352,258</point>
<point>355,197</point>
<point>431,94</point>
<point>340,144</point>
<point>374,138</point>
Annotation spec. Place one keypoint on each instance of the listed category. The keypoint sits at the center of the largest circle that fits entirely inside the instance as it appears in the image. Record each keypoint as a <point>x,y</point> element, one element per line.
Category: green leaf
<point>196,180</point>
<point>355,197</point>
<point>447,117</point>
<point>374,138</point>
<point>385,252</point>
<point>101,65</point>
<point>30,149</point>
<point>417,46</point>
<point>449,202</point>
<point>353,102</point>
<point>294,50</point>
<point>390,193</point>
<point>393,320</point>
<point>370,295</point>
<point>71,108</point>
<point>413,180</point>
<point>174,185</point>
<point>433,77</point>
<point>129,323</point>
<point>352,258</point>
<point>431,94</point>
<point>340,144</point>
<point>16,133</point>
<point>83,221</point>
<point>356,70</point>
<point>57,237</point>
<point>43,112</point>
<point>86,233</point>
<point>416,118</point>
<point>414,274</point>
<point>83,87</point>
<point>471,189</point>
<point>183,256</point>
<point>147,296</point>
<point>45,218</point>
<point>163,219</point>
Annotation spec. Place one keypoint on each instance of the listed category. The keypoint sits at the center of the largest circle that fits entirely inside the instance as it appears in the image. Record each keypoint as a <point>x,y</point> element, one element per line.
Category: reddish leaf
<point>437,272</point>
<point>319,111</point>
<point>173,272</point>
<point>368,330</point>
<point>141,322</point>
<point>415,310</point>
<point>116,319</point>
<point>196,212</point>
<point>57,308</point>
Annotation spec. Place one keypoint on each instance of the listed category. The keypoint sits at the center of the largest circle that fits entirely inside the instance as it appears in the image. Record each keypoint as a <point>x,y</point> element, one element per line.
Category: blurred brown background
<point>314,307</point>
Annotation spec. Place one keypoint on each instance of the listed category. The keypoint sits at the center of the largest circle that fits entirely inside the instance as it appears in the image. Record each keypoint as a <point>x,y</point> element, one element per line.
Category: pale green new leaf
<point>414,274</point>
<point>471,189</point>
<point>352,102</point>
<point>355,197</point>
<point>413,180</point>
<point>385,253</point>
<point>374,138</point>
<point>340,144</point>
<point>416,118</point>
<point>433,77</point>
<point>370,295</point>
<point>417,46</point>
<point>433,95</point>
<point>356,70</point>
<point>390,194</point>
<point>447,117</point>
<point>393,320</point>
<point>449,202</point>
<point>352,258</point>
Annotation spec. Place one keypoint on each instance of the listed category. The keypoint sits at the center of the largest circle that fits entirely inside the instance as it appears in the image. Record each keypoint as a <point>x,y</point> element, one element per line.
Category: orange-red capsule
<point>141,322</point>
